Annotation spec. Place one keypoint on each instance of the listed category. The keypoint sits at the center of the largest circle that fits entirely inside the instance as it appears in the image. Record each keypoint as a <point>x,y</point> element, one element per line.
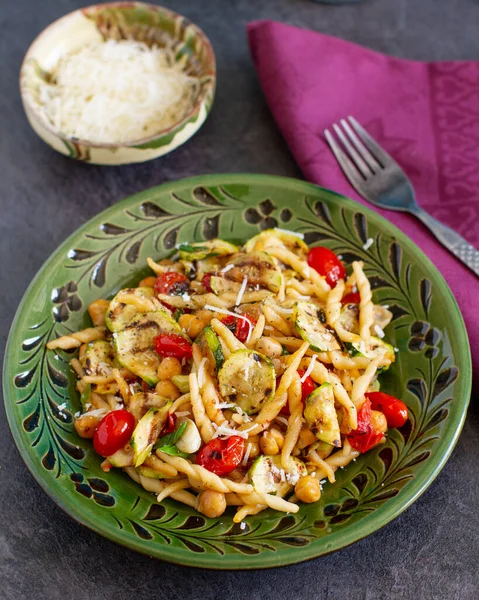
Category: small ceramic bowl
<point>120,20</point>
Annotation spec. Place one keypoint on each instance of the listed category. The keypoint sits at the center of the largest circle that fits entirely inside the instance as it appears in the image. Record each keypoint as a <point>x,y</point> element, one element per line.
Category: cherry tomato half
<point>307,386</point>
<point>239,327</point>
<point>394,410</point>
<point>171,344</point>
<point>113,432</point>
<point>326,263</point>
<point>352,298</point>
<point>221,456</point>
<point>172,283</point>
<point>206,282</point>
<point>365,436</point>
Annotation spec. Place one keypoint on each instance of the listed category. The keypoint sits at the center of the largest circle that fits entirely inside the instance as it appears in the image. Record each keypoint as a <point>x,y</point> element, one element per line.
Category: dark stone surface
<point>429,552</point>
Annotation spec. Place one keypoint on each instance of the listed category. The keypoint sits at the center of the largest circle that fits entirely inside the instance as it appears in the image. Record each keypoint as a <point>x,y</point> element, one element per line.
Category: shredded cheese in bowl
<point>116,92</point>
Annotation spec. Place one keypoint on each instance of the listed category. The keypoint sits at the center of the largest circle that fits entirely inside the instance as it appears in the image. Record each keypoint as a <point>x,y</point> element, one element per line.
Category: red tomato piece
<point>170,424</point>
<point>365,437</point>
<point>206,282</point>
<point>221,456</point>
<point>326,263</point>
<point>394,410</point>
<point>171,344</point>
<point>113,432</point>
<point>307,386</point>
<point>239,327</point>
<point>172,283</point>
<point>352,298</point>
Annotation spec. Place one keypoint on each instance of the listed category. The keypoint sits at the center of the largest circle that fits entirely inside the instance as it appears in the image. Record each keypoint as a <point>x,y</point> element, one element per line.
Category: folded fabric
<point>426,115</point>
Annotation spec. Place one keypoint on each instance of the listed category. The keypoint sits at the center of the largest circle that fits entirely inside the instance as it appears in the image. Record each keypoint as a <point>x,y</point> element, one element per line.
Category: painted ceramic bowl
<point>120,20</point>
<point>432,373</point>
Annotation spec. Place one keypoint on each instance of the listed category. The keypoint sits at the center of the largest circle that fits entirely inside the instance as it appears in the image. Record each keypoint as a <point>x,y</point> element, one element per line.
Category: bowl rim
<point>31,106</point>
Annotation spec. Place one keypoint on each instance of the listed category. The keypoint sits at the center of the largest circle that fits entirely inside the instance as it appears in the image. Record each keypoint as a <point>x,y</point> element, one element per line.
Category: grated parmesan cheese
<point>296,234</point>
<point>241,291</point>
<point>309,369</point>
<point>368,244</point>
<point>227,268</point>
<point>224,431</point>
<point>246,455</point>
<point>378,331</point>
<point>116,92</point>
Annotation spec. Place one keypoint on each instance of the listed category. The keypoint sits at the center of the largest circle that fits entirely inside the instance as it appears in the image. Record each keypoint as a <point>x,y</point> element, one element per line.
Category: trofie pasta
<point>236,376</point>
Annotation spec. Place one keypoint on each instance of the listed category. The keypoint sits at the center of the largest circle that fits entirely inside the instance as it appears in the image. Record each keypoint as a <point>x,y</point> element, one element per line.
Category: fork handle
<point>451,240</point>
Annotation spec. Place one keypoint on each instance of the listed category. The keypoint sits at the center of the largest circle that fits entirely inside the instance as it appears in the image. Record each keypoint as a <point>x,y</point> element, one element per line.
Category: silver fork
<point>378,178</point>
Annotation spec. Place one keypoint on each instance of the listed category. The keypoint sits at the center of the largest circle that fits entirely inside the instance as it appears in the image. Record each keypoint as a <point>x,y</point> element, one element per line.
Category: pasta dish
<point>236,376</point>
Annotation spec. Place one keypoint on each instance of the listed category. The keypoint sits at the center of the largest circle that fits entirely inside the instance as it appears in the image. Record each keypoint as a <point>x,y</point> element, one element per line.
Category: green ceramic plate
<point>432,373</point>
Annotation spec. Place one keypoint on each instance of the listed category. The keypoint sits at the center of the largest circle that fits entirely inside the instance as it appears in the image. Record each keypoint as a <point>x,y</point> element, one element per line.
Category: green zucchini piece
<point>142,401</point>
<point>182,382</point>
<point>247,378</point>
<point>134,344</point>
<point>149,472</point>
<point>146,433</point>
<point>349,317</point>
<point>308,322</point>
<point>377,348</point>
<point>276,238</point>
<point>267,475</point>
<point>210,347</point>
<point>199,250</point>
<point>118,314</point>
<point>98,357</point>
<point>321,416</point>
<point>258,267</point>
<point>221,285</point>
<point>121,458</point>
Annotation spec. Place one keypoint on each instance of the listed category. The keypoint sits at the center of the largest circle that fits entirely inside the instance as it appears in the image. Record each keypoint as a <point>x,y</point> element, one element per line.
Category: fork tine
<point>379,154</point>
<point>358,161</point>
<point>366,155</point>
<point>351,172</point>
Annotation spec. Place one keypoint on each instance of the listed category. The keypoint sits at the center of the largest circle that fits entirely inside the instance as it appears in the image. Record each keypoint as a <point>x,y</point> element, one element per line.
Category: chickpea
<point>308,489</point>
<point>191,324</point>
<point>306,437</point>
<point>212,504</point>
<point>253,443</point>
<point>271,442</point>
<point>147,282</point>
<point>167,389</point>
<point>378,421</point>
<point>169,367</point>
<point>86,424</point>
<point>205,315</point>
<point>269,346</point>
<point>97,310</point>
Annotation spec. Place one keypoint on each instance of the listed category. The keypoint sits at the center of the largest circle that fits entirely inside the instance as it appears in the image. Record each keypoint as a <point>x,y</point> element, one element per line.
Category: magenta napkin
<point>426,115</point>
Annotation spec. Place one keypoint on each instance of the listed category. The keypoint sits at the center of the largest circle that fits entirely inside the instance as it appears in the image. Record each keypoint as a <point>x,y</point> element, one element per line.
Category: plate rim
<point>364,528</point>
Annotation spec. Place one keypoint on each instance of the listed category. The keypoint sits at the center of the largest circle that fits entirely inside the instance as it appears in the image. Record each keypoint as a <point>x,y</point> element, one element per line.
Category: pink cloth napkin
<point>426,115</point>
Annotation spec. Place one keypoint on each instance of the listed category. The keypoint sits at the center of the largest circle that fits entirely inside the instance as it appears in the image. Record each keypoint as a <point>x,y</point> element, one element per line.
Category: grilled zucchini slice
<point>134,343</point>
<point>247,378</point>
<point>98,358</point>
<point>321,416</point>
<point>308,322</point>
<point>147,431</point>
<point>118,314</point>
<point>375,349</point>
<point>191,251</point>
<point>258,267</point>
<point>210,347</point>
<point>267,475</point>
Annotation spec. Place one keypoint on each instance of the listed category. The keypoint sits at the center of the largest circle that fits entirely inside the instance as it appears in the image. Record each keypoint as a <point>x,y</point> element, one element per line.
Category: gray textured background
<point>432,550</point>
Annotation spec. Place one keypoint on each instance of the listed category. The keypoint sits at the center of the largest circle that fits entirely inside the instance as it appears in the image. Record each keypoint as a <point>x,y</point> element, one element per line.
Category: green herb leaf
<point>189,248</point>
<point>172,450</point>
<point>170,439</point>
